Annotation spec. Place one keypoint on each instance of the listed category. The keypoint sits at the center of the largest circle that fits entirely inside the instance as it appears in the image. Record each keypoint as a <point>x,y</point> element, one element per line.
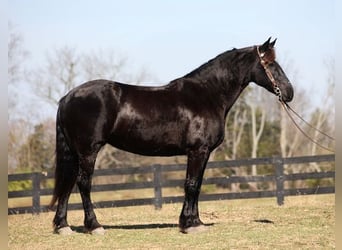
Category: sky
<point>171,38</point>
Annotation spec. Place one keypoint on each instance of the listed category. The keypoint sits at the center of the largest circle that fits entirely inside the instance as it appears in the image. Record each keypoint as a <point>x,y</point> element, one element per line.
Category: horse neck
<point>225,76</point>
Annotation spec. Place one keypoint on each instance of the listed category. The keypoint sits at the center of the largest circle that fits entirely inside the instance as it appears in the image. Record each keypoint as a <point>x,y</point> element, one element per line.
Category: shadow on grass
<point>142,226</point>
<point>266,221</point>
<point>80,229</point>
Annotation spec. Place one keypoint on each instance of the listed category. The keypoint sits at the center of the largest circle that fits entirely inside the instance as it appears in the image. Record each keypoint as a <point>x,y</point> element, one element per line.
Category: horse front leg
<point>84,184</point>
<point>189,220</point>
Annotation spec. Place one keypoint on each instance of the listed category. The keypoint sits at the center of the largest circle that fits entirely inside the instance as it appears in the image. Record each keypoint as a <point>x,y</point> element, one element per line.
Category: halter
<point>276,88</point>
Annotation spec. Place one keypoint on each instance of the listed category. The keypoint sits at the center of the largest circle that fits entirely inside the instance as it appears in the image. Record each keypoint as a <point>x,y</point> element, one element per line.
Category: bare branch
<point>16,55</point>
<point>105,65</point>
<point>60,74</point>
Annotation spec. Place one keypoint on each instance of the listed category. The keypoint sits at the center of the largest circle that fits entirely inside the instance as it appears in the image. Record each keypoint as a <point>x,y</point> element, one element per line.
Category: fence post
<point>158,198</point>
<point>36,177</point>
<point>279,170</point>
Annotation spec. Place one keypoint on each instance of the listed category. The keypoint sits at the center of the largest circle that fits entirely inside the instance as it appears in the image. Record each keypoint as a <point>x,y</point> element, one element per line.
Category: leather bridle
<point>263,62</point>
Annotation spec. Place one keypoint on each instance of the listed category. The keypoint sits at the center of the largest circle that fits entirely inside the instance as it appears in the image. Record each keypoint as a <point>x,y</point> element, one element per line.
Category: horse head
<point>268,73</point>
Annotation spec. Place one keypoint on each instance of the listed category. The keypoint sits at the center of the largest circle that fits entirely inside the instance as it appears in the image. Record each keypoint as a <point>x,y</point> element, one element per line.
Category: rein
<point>287,107</point>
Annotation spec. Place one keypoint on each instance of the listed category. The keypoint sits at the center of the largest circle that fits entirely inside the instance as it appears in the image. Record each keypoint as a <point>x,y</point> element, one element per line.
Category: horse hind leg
<point>60,220</point>
<point>65,178</point>
<point>84,184</point>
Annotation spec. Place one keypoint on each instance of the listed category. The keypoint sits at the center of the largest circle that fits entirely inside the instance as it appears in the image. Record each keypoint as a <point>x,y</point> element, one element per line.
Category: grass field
<point>304,222</point>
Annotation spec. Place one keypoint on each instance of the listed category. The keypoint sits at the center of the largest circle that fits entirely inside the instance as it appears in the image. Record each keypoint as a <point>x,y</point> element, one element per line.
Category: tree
<point>234,128</point>
<point>66,68</point>
<point>257,121</point>
<point>291,139</point>
<point>103,64</point>
<point>18,128</point>
<point>60,74</point>
<point>37,153</point>
<point>323,118</point>
<point>18,131</point>
<point>256,131</point>
<point>16,56</point>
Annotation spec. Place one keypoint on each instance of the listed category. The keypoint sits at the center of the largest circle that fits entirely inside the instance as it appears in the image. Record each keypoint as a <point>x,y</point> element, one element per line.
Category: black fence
<point>158,183</point>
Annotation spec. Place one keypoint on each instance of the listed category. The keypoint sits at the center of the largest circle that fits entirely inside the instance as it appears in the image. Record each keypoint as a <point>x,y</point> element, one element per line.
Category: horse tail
<point>66,165</point>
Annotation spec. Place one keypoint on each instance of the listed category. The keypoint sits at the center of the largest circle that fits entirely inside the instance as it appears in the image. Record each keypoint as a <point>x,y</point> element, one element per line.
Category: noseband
<point>263,62</point>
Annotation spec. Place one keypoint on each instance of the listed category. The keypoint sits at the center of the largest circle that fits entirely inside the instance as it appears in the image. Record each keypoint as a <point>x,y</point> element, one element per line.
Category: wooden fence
<point>158,183</point>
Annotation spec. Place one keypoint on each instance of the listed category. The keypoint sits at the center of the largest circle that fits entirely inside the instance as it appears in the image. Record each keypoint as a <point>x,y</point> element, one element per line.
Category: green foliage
<point>27,185</point>
<point>37,154</point>
<point>208,188</point>
<point>319,183</point>
<point>269,142</point>
<point>19,185</point>
<point>50,183</point>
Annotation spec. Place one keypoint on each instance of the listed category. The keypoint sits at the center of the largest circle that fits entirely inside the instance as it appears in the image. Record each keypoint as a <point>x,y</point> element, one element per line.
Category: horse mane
<point>221,57</point>
<point>233,55</point>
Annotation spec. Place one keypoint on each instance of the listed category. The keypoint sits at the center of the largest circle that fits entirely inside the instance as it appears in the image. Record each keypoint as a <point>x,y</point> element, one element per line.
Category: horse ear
<point>266,45</point>
<point>272,43</point>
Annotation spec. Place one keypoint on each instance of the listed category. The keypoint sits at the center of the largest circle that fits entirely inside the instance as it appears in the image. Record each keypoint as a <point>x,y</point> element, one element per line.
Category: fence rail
<point>158,183</point>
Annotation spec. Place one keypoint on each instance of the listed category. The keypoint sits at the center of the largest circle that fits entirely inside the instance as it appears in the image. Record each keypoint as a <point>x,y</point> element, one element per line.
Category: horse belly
<point>150,140</point>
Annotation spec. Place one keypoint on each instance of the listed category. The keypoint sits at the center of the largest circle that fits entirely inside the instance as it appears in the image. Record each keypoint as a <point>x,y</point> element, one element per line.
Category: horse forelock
<point>270,55</point>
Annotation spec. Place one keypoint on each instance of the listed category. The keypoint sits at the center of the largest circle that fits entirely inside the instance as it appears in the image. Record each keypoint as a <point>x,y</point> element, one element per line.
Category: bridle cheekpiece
<point>263,62</point>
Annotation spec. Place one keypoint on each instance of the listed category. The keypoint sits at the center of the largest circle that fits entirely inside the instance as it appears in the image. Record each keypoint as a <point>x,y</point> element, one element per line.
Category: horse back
<point>144,120</point>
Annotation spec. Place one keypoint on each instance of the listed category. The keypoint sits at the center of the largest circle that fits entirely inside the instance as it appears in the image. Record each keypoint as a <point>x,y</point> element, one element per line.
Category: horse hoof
<point>65,231</point>
<point>197,229</point>
<point>98,231</point>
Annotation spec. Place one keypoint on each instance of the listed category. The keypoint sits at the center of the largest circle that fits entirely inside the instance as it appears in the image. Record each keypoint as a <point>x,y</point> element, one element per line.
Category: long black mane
<point>227,58</point>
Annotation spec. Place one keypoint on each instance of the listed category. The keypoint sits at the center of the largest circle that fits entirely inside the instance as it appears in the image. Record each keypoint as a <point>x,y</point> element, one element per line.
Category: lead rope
<point>287,107</point>
<point>311,126</point>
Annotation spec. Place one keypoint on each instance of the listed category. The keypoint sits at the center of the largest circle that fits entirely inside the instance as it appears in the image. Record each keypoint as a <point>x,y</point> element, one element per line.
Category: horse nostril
<point>290,91</point>
<point>288,96</point>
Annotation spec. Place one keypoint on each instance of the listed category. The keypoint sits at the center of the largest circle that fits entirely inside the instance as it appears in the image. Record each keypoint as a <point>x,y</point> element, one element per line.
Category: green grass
<point>304,222</point>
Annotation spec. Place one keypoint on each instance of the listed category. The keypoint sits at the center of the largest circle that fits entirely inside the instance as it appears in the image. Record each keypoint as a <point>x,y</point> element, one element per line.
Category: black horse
<point>184,117</point>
